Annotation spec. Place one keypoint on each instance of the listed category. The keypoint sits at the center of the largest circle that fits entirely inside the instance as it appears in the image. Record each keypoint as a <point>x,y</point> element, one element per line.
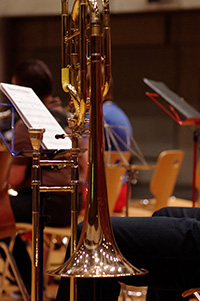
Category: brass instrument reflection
<point>97,254</point>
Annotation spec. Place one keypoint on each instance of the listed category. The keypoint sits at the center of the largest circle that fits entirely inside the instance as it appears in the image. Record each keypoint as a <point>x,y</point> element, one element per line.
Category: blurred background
<point>159,40</point>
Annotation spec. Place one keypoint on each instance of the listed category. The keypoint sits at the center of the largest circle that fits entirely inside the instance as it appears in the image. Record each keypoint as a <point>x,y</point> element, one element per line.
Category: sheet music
<point>172,98</point>
<point>36,115</point>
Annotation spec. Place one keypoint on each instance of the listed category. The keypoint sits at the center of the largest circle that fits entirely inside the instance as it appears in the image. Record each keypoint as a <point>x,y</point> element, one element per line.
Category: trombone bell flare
<point>98,258</point>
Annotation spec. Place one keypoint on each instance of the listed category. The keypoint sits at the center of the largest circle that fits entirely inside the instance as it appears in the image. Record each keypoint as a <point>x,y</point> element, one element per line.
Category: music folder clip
<point>36,115</point>
<point>176,103</point>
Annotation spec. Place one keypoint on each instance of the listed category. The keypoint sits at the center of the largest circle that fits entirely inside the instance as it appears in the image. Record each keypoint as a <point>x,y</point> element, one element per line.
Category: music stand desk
<point>176,103</point>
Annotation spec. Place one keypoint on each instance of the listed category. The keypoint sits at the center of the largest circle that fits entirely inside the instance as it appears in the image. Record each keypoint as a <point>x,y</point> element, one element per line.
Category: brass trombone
<point>97,254</point>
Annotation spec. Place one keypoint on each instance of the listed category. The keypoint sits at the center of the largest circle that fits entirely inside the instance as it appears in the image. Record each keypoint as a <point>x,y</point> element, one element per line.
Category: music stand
<point>35,115</point>
<point>175,102</point>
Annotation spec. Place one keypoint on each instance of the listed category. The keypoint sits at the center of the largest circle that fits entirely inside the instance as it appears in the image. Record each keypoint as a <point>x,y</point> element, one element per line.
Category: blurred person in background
<point>56,206</point>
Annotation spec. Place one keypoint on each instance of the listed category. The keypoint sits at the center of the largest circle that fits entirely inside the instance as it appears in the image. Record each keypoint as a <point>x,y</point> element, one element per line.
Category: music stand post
<point>175,103</point>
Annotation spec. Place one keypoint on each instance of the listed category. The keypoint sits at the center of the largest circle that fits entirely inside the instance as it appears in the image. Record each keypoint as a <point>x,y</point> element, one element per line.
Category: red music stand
<point>175,102</point>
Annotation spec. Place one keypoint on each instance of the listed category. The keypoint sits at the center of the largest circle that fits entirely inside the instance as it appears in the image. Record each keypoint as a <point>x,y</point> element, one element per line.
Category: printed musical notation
<point>36,115</point>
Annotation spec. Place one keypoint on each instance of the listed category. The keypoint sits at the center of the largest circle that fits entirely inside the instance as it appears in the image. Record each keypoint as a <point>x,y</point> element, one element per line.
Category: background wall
<point>161,45</point>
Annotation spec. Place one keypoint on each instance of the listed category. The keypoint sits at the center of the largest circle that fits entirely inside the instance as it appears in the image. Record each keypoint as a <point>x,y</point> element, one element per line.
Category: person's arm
<point>17,175</point>
<point>18,170</point>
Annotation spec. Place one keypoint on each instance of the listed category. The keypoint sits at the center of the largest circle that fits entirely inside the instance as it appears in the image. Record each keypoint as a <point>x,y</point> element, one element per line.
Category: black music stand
<point>175,102</point>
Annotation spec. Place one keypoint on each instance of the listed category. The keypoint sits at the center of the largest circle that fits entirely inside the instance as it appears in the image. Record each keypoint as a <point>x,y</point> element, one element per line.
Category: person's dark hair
<point>36,75</point>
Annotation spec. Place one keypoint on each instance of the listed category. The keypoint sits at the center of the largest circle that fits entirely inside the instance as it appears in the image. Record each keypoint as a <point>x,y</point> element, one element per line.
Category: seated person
<point>118,125</point>
<point>118,135</point>
<point>166,244</point>
<point>36,74</point>
<point>56,206</point>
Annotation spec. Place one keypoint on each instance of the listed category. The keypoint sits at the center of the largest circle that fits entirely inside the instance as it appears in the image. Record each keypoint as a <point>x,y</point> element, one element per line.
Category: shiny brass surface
<point>97,254</point>
<point>36,136</point>
<point>56,188</point>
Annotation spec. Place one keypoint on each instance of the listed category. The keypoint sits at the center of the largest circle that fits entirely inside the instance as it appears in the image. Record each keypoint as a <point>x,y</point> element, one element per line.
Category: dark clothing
<point>166,244</point>
<point>56,207</point>
<point>22,259</point>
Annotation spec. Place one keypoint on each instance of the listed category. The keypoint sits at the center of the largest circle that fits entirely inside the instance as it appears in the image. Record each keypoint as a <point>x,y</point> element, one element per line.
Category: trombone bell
<point>97,254</point>
<point>97,258</point>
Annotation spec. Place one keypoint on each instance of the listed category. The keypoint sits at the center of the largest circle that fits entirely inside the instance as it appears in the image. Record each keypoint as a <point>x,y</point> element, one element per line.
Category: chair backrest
<point>7,221</point>
<point>115,170</point>
<point>165,175</point>
<point>197,183</point>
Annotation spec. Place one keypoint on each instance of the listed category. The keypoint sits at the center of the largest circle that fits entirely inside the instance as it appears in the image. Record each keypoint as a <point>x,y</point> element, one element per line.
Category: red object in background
<point>187,122</point>
<point>120,202</point>
<point>26,235</point>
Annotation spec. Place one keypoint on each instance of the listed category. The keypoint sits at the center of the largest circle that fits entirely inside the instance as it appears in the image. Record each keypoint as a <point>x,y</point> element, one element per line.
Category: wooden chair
<point>163,179</point>
<point>179,202</point>
<point>115,163</point>
<point>161,187</point>
<point>7,221</point>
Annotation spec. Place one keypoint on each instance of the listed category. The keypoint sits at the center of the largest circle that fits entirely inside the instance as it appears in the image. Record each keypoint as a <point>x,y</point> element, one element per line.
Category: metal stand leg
<point>11,261</point>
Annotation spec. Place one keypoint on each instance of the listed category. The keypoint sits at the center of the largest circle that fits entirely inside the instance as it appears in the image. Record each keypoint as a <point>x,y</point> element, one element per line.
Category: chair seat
<point>23,226</point>
<point>163,180</point>
<point>178,202</point>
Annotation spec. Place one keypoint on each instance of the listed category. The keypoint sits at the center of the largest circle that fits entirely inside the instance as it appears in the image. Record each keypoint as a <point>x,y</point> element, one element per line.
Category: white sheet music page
<point>36,115</point>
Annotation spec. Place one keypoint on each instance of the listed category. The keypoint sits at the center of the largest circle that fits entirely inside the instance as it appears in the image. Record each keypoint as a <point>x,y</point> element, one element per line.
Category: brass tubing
<point>65,34</point>
<point>106,47</point>
<point>74,211</point>
<point>35,226</point>
<point>56,162</point>
<point>97,254</point>
<point>56,188</point>
<point>36,138</point>
<point>65,46</point>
